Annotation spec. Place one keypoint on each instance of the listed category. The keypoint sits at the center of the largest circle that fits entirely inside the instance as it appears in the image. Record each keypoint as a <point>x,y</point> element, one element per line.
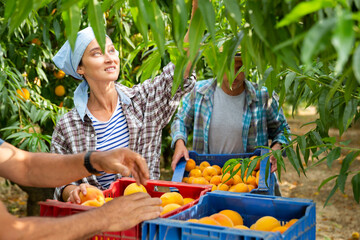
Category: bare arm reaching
<point>120,214</point>
<point>49,170</point>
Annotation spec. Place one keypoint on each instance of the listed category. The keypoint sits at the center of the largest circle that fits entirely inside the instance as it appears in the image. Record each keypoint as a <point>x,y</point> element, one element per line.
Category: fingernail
<point>78,201</point>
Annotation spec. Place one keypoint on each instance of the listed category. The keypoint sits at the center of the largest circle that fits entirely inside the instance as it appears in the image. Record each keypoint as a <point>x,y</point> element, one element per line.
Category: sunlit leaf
<point>72,19</point>
<point>208,15</point>
<point>356,63</point>
<point>234,11</point>
<point>158,28</point>
<point>196,31</point>
<point>140,23</point>
<point>302,9</point>
<point>179,22</point>
<point>343,38</point>
<point>19,13</point>
<point>314,40</point>
<point>289,79</point>
<point>97,22</point>
<point>178,74</point>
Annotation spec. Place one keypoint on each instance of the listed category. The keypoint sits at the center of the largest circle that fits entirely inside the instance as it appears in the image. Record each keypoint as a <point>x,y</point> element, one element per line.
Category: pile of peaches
<point>214,175</point>
<point>231,218</point>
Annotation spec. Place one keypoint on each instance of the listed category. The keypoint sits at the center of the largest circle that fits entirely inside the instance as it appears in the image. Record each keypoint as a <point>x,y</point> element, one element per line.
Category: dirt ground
<point>338,220</point>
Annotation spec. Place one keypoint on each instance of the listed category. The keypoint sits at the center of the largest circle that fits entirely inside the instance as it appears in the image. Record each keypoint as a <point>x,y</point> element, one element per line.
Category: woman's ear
<point>80,70</point>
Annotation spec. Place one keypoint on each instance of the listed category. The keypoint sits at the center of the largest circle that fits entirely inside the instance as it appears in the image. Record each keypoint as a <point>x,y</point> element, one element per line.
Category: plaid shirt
<point>148,107</point>
<point>261,121</point>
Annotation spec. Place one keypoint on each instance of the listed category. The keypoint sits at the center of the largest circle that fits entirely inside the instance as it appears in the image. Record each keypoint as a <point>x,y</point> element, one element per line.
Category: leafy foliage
<point>308,51</point>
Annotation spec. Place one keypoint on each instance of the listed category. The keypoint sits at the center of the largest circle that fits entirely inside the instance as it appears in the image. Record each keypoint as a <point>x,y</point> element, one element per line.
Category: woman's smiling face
<point>99,66</point>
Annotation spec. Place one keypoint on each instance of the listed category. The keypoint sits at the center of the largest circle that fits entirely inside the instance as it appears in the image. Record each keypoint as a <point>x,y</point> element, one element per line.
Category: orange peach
<point>222,219</point>
<point>92,193</point>
<point>134,188</point>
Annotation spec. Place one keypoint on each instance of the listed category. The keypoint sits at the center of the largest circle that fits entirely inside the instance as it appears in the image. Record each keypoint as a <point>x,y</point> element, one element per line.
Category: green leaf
<point>302,144</point>
<point>315,136</point>
<point>179,22</point>
<point>315,38</point>
<point>349,113</point>
<point>333,155</point>
<point>356,63</point>
<point>347,161</point>
<point>299,159</point>
<point>208,15</point>
<point>341,182</point>
<point>140,23</point>
<point>293,159</point>
<point>234,11</point>
<point>302,9</point>
<point>19,14</point>
<point>178,74</point>
<point>97,23</point>
<point>326,181</point>
<point>257,20</point>
<point>343,38</point>
<point>158,28</point>
<point>227,58</point>
<point>289,79</point>
<point>331,194</point>
<point>57,29</point>
<point>46,37</point>
<point>269,79</point>
<point>150,66</point>
<point>66,4</point>
<point>10,7</point>
<point>72,19</point>
<point>350,86</point>
<point>196,31</point>
<point>280,161</point>
<point>282,95</point>
<point>355,181</point>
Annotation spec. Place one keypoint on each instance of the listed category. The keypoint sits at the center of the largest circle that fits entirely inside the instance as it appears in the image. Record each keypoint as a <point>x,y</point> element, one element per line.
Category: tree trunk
<point>36,195</point>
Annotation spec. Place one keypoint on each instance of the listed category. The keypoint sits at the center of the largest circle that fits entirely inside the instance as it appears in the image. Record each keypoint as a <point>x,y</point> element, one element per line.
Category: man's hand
<point>180,151</point>
<point>123,161</point>
<point>125,212</point>
<point>273,160</point>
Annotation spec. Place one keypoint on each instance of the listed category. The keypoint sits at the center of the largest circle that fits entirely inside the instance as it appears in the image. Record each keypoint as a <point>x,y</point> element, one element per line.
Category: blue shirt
<point>262,120</point>
<point>1,141</point>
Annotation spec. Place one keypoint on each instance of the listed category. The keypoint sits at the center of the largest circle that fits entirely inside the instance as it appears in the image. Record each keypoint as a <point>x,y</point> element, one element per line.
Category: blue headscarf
<point>68,60</point>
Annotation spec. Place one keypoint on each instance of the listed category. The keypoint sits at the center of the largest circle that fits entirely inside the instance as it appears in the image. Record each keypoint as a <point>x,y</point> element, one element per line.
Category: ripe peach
<point>222,219</point>
<point>134,188</point>
<point>171,197</point>
<point>92,193</point>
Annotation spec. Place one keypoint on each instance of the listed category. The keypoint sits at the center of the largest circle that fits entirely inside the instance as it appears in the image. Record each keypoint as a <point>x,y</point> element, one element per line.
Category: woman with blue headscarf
<point>109,115</point>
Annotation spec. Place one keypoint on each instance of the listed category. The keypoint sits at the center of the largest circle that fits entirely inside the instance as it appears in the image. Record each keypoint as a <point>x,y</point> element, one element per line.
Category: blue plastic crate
<point>250,206</point>
<point>265,188</point>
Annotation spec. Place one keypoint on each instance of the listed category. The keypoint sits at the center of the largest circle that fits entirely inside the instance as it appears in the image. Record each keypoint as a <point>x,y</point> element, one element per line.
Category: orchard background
<point>306,51</point>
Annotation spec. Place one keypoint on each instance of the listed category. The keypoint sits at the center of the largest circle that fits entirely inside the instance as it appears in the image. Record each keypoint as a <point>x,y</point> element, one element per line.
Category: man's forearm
<point>31,169</point>
<point>78,226</point>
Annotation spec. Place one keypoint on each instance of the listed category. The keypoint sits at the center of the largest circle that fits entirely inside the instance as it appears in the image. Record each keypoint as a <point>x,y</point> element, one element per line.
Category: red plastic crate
<point>53,208</point>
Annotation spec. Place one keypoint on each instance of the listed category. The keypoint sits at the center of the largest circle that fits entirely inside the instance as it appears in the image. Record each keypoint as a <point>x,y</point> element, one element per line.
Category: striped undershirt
<point>111,134</point>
